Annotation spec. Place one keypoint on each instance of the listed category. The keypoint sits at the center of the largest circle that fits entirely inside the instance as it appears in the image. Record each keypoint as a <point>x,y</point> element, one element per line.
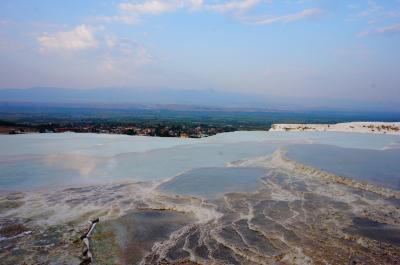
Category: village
<point>160,130</point>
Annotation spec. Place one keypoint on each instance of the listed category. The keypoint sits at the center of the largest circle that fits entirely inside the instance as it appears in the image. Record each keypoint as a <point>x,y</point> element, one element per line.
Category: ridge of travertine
<point>357,127</point>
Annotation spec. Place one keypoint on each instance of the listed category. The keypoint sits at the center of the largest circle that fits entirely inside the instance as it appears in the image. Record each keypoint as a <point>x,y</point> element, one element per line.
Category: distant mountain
<point>215,98</point>
<point>121,95</point>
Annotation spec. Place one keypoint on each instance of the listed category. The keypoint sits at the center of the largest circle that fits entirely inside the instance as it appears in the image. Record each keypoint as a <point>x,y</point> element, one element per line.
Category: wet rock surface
<point>134,234</point>
<point>294,218</point>
<point>21,242</point>
<point>297,215</point>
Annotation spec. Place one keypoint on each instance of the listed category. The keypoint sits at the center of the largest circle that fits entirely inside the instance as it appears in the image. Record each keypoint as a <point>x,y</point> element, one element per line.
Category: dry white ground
<point>360,127</point>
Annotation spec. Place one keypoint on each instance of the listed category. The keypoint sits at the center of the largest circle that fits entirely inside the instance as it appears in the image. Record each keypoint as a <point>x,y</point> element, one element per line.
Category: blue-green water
<point>378,166</point>
<point>38,161</point>
<point>212,182</point>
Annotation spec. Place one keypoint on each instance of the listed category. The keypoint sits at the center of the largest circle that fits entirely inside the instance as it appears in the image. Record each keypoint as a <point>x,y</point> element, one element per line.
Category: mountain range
<point>210,98</point>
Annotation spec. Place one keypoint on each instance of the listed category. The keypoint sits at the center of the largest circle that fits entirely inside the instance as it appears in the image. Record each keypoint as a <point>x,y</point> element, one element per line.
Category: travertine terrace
<point>299,215</point>
<point>358,127</point>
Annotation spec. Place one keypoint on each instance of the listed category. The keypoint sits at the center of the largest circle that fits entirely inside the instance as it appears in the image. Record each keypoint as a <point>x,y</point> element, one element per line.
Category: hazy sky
<point>304,48</point>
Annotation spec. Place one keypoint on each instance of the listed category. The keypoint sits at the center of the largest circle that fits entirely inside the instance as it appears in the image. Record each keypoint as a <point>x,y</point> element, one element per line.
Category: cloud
<point>130,12</point>
<point>371,10</point>
<point>126,19</point>
<point>234,5</point>
<point>80,38</point>
<point>196,4</point>
<point>113,59</point>
<point>388,30</point>
<point>122,56</point>
<point>373,13</point>
<point>305,14</point>
<point>157,7</point>
<point>153,7</point>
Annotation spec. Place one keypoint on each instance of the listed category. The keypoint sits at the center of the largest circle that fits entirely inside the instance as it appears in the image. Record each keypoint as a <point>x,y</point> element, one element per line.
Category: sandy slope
<point>360,127</point>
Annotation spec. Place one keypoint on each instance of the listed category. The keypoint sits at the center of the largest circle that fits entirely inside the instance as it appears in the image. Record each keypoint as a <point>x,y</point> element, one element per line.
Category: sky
<point>300,48</point>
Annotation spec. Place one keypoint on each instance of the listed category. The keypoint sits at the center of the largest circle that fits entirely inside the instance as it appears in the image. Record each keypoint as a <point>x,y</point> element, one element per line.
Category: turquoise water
<point>109,145</point>
<point>38,161</point>
<point>378,166</point>
<point>213,182</point>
